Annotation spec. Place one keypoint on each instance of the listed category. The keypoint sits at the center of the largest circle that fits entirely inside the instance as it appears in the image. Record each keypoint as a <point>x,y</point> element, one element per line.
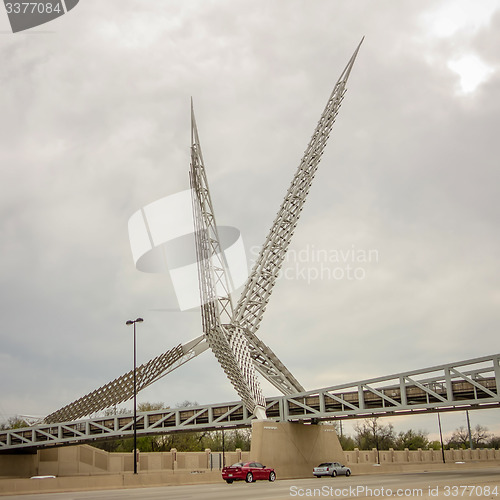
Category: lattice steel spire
<point>251,306</point>
<point>122,388</point>
<point>229,345</point>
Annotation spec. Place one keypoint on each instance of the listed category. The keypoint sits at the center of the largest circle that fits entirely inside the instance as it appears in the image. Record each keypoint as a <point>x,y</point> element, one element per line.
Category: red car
<point>248,471</point>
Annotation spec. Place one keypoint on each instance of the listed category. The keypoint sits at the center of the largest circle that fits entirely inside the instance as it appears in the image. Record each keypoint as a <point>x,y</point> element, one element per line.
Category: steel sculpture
<point>230,331</point>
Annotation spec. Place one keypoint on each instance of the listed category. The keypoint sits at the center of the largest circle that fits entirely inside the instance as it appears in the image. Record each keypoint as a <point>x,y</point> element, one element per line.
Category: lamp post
<point>441,437</point>
<point>133,322</point>
<point>471,444</point>
<point>223,450</point>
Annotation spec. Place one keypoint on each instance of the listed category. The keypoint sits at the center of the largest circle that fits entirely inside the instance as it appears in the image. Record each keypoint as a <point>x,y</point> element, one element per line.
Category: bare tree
<point>372,434</point>
<point>460,438</point>
<point>480,436</point>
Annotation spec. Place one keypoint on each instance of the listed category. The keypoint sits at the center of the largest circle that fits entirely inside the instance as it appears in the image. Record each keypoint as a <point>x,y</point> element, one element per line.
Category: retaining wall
<point>84,460</point>
<point>87,460</point>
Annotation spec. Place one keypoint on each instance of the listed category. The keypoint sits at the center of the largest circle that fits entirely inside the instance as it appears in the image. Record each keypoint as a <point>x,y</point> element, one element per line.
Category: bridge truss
<point>470,384</point>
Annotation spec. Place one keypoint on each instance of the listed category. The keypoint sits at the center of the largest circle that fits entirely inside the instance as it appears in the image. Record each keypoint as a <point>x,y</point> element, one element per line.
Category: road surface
<point>477,483</point>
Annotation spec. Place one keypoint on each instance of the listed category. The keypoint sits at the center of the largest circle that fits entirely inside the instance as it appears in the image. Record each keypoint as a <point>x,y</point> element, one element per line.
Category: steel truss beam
<point>259,285</point>
<point>473,383</point>
<point>469,384</point>
<point>122,388</point>
<point>258,288</point>
<point>228,344</point>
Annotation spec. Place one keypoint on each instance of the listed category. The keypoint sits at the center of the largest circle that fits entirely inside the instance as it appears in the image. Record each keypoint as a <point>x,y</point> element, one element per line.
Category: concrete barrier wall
<point>18,465</point>
<point>419,456</point>
<point>106,481</point>
<point>87,460</point>
<point>93,477</point>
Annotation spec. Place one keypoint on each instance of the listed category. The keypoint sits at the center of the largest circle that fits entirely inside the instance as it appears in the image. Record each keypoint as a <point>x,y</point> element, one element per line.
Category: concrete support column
<point>294,449</point>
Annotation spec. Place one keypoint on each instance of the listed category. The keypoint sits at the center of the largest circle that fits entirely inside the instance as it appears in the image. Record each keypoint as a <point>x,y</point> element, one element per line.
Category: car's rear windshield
<point>326,464</point>
<point>237,464</point>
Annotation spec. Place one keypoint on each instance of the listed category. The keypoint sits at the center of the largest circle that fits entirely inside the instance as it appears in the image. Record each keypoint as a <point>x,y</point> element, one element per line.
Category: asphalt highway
<point>477,483</point>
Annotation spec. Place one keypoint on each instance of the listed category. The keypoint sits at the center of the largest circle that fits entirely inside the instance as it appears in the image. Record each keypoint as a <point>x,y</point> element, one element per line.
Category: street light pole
<point>133,322</point>
<point>441,437</point>
<point>471,444</point>
<point>223,450</point>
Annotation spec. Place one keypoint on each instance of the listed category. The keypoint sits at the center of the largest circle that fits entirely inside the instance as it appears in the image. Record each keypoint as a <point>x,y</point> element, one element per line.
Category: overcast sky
<point>95,125</point>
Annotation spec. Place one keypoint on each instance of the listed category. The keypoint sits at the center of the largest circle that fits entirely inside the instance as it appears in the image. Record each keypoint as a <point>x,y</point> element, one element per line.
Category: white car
<point>331,469</point>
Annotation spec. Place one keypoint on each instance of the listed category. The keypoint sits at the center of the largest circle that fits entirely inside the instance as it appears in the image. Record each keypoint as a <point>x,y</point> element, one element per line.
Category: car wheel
<point>272,476</point>
<point>249,478</point>
<point>229,481</point>
<point>334,473</point>
<point>347,473</point>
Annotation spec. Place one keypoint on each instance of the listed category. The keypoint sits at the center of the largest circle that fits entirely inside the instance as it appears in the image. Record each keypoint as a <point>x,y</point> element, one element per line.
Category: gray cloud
<point>95,124</point>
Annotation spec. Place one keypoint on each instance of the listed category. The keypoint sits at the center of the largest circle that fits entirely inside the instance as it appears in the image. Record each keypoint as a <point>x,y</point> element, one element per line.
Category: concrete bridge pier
<point>294,448</point>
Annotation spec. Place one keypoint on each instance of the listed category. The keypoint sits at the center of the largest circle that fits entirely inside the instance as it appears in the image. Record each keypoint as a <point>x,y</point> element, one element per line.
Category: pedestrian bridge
<point>470,384</point>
